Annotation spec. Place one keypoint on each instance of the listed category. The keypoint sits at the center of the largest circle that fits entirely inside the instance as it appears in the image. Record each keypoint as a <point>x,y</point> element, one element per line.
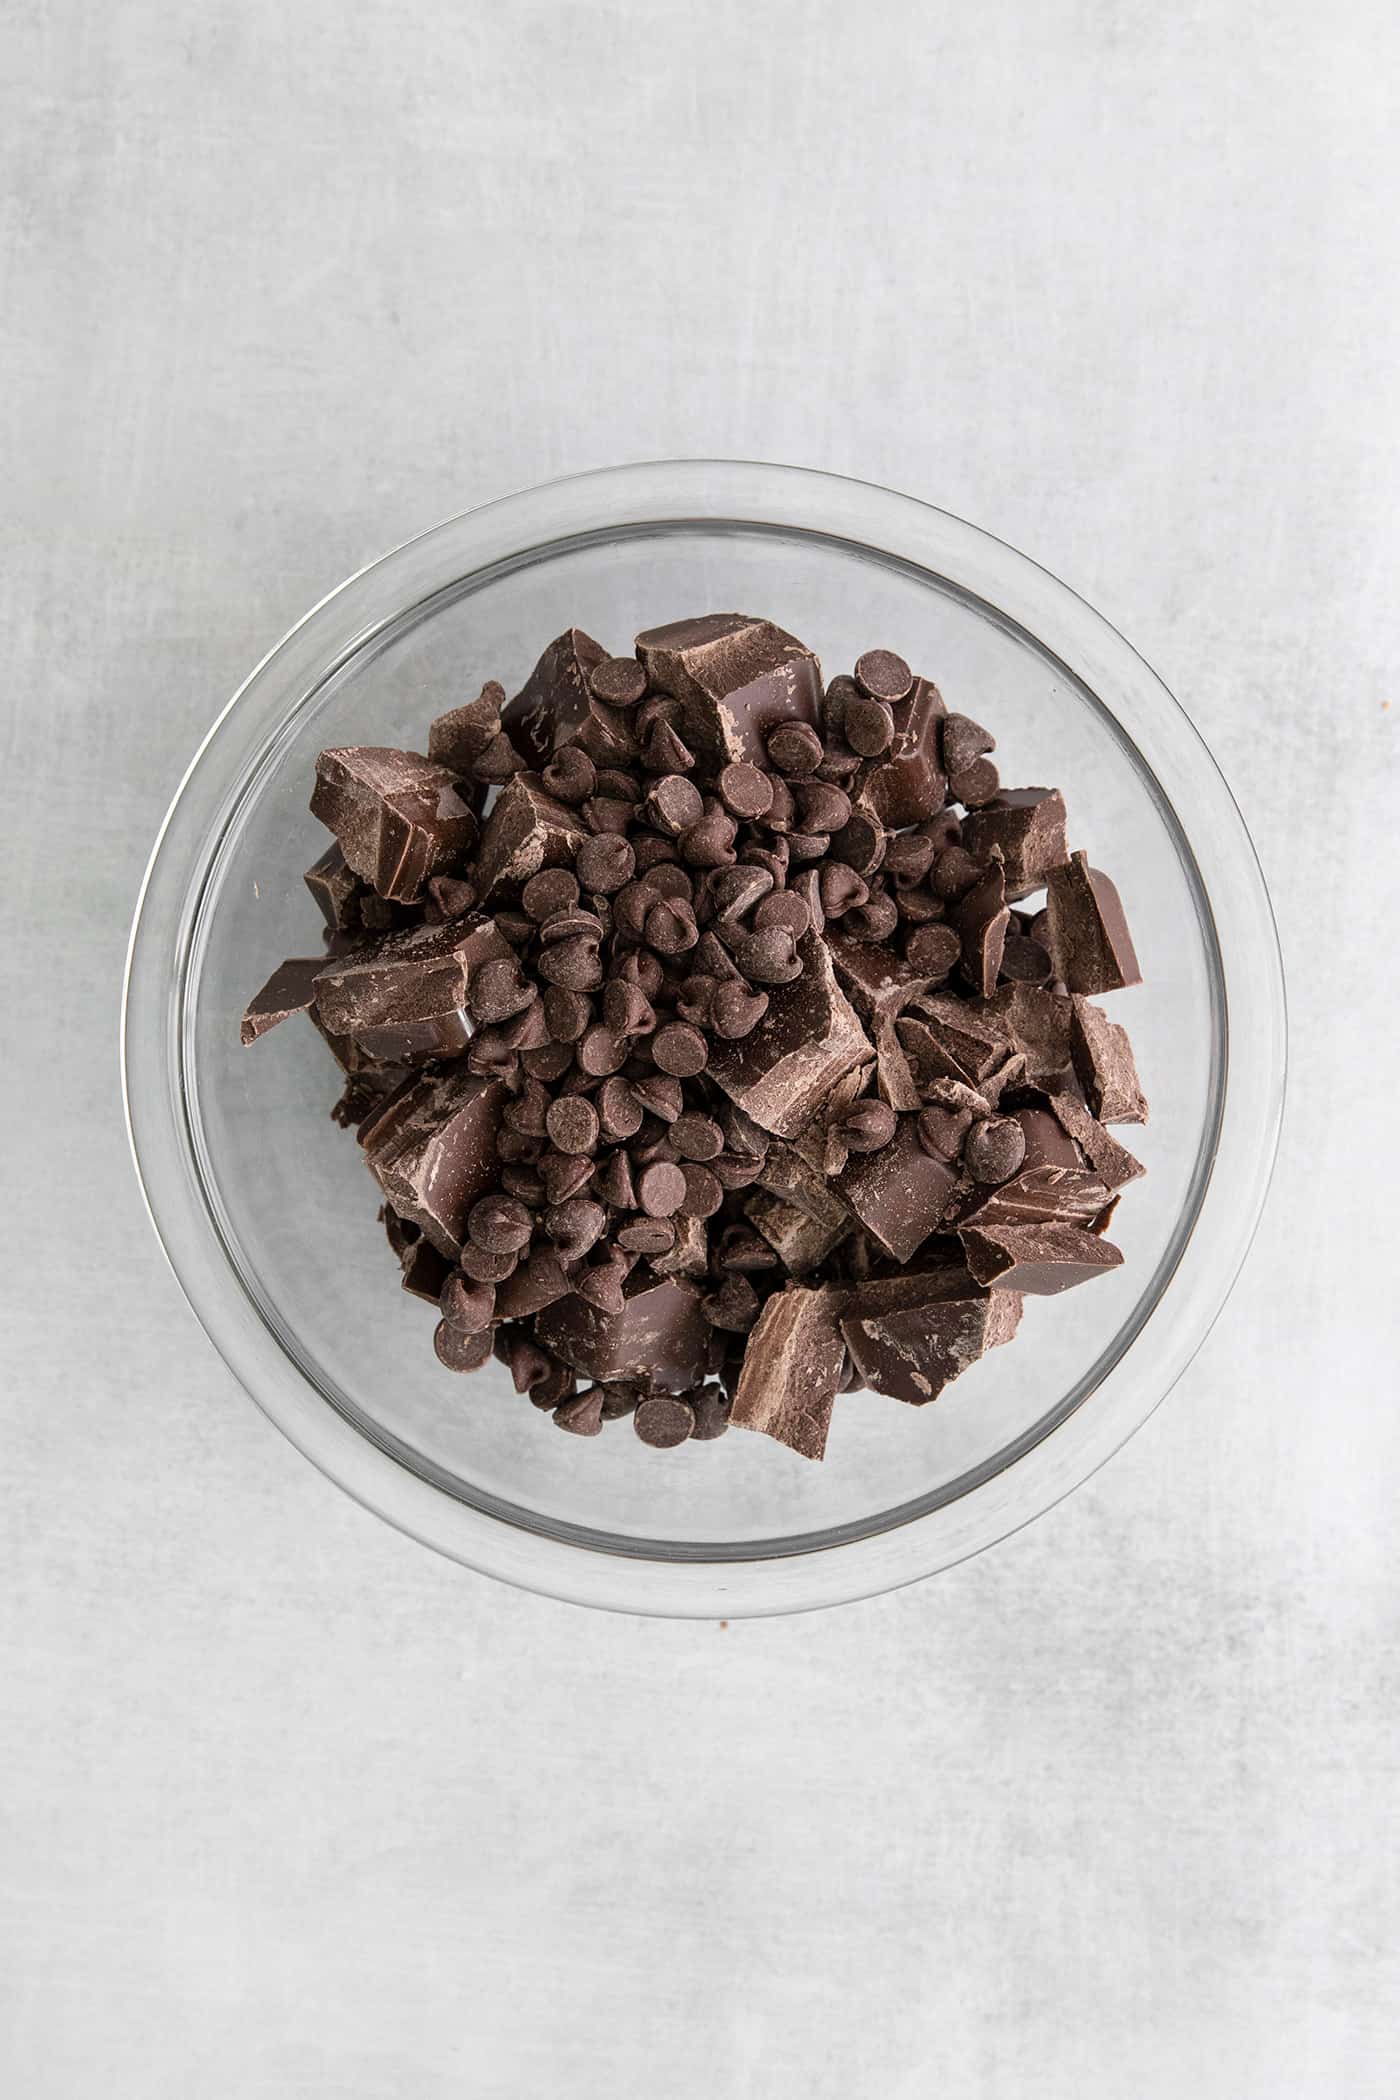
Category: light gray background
<point>292,1808</point>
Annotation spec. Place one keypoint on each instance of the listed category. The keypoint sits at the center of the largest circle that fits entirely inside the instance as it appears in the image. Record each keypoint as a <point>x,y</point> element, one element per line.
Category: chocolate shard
<point>432,1149</point>
<point>737,680</point>
<point>907,784</point>
<point>1104,1065</point>
<point>661,1335</point>
<point>875,980</point>
<point>458,738</point>
<point>791,1370</point>
<point>980,919</point>
<point>1038,1259</point>
<point>554,701</point>
<point>689,1252</point>
<point>404,999</point>
<point>336,887</point>
<point>800,1240</point>
<point>1038,1020</point>
<point>289,990</point>
<point>1112,1162</point>
<point>946,1038</point>
<point>1026,826</point>
<point>910,1336</point>
<point>783,1070</point>
<point>525,830</point>
<point>1089,938</point>
<point>397,816</point>
<point>899,1193</point>
<point>1052,1185</point>
<point>894,1072</point>
<point>425,1271</point>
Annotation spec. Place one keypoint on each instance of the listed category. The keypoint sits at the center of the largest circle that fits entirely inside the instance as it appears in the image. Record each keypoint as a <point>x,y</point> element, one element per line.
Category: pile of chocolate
<point>695,1039</point>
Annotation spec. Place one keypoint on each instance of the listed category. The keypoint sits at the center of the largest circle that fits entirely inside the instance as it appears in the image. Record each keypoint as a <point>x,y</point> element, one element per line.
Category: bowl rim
<point>1008,586</point>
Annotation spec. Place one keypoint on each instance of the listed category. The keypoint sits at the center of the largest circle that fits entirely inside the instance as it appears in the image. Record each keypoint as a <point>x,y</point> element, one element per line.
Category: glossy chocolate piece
<point>336,887</point>
<point>807,1040</point>
<point>660,1335</point>
<point>1038,1259</point>
<point>525,830</point>
<point>555,699</point>
<point>791,1372</point>
<point>404,1000</point>
<point>913,1336</point>
<point>397,816</point>
<point>1026,826</point>
<point>980,919</point>
<point>290,989</point>
<point>1089,938</point>
<point>1104,1065</point>
<point>737,680</point>
<point>432,1149</point>
<point>899,1194</point>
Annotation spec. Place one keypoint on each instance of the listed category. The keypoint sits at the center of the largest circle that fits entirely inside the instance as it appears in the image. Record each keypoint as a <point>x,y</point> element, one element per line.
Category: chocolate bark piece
<point>980,919</point>
<point>912,1336</point>
<point>336,887</point>
<point>899,1193</point>
<point>1039,1259</point>
<point>404,999</point>
<point>1027,827</point>
<point>432,1149</point>
<point>1089,937</point>
<point>1038,1020</point>
<point>800,1240</point>
<point>737,679</point>
<point>525,830</point>
<point>907,784</point>
<point>660,1336</point>
<point>1104,1065</point>
<point>791,1371</point>
<point>555,699</point>
<point>290,989</point>
<point>1112,1162</point>
<point>458,738</point>
<point>397,816</point>
<point>782,1071</point>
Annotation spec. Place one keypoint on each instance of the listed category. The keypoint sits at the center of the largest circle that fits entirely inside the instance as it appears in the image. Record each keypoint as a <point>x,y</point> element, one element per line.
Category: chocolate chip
<point>497,990</point>
<point>769,958</point>
<point>607,813</point>
<point>734,891</point>
<point>663,1420</point>
<point>620,681</point>
<point>660,1094</point>
<point>467,1306</point>
<point>626,1008</point>
<point>868,1126</point>
<point>733,1307</point>
<point>670,927</point>
<point>668,879</point>
<point>933,950</point>
<point>485,1267</point>
<point>703,1193</point>
<point>841,889</point>
<point>883,676</point>
<point>964,742</point>
<point>994,1149</point>
<point>572,1123</point>
<point>746,791</point>
<point>796,750</point>
<point>567,1014</point>
<point>875,920</point>
<point>679,1049</point>
<point>570,776</point>
<point>1025,961</point>
<point>673,804</point>
<point>860,844</point>
<point>575,1226</point>
<point>460,1349</point>
<point>647,1236</point>
<point>565,1173</point>
<point>908,857</point>
<point>821,809</point>
<point>711,1406</point>
<point>614,1183</point>
<point>604,862</point>
<point>697,1136</point>
<point>710,843</point>
<point>737,1011</point>
<point>550,1063</point>
<point>619,1111</point>
<point>583,1415</point>
<point>782,909</point>
<point>954,873</point>
<point>601,1051</point>
<point>500,1224</point>
<point>577,923</point>
<point>977,786</point>
<point>661,1189</point>
<point>869,727</point>
<point>574,964</point>
<point>664,752</point>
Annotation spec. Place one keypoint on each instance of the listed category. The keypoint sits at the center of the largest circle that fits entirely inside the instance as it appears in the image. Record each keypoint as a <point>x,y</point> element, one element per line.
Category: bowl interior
<point>296,1208</point>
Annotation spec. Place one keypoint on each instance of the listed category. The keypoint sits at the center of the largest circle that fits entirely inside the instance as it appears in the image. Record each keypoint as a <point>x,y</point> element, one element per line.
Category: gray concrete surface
<point>288,1807</point>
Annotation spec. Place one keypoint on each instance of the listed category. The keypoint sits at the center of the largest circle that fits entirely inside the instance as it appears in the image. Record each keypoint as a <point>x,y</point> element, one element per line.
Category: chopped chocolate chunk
<point>1112,1162</point>
<point>1104,1065</point>
<point>556,698</point>
<point>291,989</point>
<point>1089,937</point>
<point>1039,1259</point>
<point>432,1149</point>
<point>737,679</point>
<point>912,1344</point>
<point>908,783</point>
<point>336,887</point>
<point>660,1335</point>
<point>792,1368</point>
<point>1037,1020</point>
<point>808,1038</point>
<point>526,830</point>
<point>980,919</point>
<point>404,998</point>
<point>899,1193</point>
<point>397,817</point>
<point>458,738</point>
<point>800,1240</point>
<point>1026,826</point>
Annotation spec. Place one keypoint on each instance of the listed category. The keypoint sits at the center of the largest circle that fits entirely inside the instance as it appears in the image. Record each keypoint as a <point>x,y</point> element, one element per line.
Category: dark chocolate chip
<point>602,1051</point>
<point>868,1125</point>
<point>883,676</point>
<point>679,1049</point>
<point>583,1415</point>
<point>737,1011</point>
<point>746,791</point>
<point>620,681</point>
<point>572,1123</point>
<point>663,1420</point>
<point>605,862</point>
<point>500,1224</point>
<point>994,1149</point>
<point>461,1350</point>
<point>661,1189</point>
<point>468,1306</point>
<point>567,1014</point>
<point>942,1130</point>
<point>674,804</point>
<point>796,750</point>
<point>575,1226</point>
<point>869,727</point>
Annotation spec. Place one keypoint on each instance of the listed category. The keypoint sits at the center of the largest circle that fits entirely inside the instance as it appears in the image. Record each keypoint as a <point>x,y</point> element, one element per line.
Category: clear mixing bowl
<point>266,1211</point>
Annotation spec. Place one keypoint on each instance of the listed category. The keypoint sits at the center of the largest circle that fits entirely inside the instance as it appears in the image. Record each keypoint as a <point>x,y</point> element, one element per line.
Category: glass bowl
<point>268,1216</point>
